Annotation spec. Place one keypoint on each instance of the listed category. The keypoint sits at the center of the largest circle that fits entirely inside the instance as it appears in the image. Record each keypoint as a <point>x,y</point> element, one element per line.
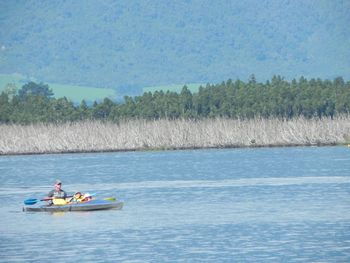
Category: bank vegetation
<point>228,114</point>
<point>130,135</point>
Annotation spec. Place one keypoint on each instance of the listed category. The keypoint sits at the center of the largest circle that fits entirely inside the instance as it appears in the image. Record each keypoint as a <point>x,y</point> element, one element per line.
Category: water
<point>234,205</point>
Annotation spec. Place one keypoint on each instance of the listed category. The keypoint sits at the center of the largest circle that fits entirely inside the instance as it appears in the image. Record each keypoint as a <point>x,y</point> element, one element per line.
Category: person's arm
<point>49,195</point>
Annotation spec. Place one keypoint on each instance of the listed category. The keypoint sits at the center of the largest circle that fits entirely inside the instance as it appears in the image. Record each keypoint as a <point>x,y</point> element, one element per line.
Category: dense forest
<point>277,98</point>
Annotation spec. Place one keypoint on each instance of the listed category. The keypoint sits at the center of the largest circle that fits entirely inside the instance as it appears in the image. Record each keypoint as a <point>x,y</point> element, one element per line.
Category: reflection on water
<point>58,214</point>
<point>261,205</point>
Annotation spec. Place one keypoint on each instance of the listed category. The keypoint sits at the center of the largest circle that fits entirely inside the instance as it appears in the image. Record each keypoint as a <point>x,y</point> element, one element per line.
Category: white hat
<point>87,195</point>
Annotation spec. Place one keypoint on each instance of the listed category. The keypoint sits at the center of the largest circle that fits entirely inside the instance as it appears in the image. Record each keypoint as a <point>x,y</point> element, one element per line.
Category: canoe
<point>84,206</point>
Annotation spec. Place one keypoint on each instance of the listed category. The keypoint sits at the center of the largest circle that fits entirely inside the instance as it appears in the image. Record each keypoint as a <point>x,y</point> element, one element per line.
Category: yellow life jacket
<point>76,199</point>
<point>59,201</point>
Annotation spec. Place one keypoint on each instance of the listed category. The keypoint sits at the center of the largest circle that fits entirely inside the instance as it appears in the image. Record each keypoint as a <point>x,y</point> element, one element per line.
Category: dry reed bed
<point>171,134</point>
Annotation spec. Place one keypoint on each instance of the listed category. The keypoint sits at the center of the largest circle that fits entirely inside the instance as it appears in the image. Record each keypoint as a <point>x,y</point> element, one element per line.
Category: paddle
<point>33,201</point>
<point>110,199</point>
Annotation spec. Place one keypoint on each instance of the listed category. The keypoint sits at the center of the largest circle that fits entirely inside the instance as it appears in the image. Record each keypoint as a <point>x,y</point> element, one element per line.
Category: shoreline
<point>157,135</point>
<point>173,149</point>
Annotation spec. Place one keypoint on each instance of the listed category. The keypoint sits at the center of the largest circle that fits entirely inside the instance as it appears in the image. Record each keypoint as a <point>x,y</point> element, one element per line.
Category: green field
<point>72,92</point>
<point>79,93</point>
<point>193,87</point>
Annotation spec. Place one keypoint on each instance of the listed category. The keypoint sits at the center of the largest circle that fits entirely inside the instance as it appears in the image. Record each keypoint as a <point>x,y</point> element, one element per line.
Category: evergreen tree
<point>276,98</point>
<point>34,89</point>
<point>186,103</point>
<point>5,108</point>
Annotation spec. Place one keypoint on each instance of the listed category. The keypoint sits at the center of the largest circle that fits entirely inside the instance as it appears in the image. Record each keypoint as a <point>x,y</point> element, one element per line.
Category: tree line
<point>276,98</point>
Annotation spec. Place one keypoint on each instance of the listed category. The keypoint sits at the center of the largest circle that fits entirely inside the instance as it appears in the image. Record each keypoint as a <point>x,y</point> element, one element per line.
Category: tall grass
<point>92,136</point>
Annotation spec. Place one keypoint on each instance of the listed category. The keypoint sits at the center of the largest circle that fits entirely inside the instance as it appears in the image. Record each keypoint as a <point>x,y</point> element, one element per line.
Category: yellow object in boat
<point>59,201</point>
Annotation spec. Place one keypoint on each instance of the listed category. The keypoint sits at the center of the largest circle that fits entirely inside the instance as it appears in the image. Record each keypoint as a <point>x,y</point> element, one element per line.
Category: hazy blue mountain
<point>131,44</point>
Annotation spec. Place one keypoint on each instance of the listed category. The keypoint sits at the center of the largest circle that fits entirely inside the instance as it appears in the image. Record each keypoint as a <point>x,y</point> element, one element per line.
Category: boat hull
<point>84,206</point>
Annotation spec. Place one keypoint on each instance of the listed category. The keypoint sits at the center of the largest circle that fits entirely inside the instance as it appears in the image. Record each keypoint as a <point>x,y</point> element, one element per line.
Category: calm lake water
<point>232,205</point>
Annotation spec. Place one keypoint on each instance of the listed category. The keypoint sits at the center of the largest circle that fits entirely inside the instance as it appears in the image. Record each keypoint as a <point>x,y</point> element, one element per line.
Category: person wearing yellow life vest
<point>77,197</point>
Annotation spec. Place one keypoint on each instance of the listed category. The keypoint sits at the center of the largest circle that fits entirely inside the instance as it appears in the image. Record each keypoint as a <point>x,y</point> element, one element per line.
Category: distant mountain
<point>128,45</point>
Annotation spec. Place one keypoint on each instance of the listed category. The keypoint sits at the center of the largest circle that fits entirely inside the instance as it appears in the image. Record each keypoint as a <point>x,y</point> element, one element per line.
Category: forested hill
<point>127,45</point>
<point>231,99</point>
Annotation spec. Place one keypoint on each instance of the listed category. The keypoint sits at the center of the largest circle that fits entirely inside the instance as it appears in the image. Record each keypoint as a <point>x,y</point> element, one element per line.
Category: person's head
<point>87,197</point>
<point>58,184</point>
<point>77,195</point>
